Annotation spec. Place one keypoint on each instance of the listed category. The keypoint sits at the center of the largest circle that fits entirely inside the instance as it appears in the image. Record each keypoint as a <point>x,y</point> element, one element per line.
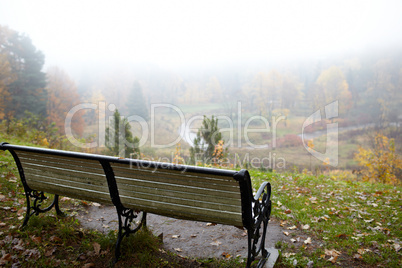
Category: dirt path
<point>187,238</point>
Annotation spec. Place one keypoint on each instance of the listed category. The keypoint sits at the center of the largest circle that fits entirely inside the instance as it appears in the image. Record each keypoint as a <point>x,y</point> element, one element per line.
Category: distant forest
<point>368,86</point>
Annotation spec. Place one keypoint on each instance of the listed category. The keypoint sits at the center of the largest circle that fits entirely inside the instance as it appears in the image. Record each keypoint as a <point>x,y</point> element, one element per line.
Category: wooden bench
<point>137,187</point>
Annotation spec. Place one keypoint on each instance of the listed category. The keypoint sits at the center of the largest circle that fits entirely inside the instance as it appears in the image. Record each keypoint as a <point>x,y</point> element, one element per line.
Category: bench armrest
<point>266,185</point>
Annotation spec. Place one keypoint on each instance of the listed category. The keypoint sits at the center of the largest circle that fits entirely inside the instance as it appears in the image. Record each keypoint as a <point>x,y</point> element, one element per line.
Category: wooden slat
<point>208,203</point>
<point>78,193</point>
<point>60,161</point>
<point>183,212</point>
<point>183,192</point>
<point>65,179</point>
<point>124,182</point>
<point>178,179</point>
<point>174,174</point>
<point>69,174</point>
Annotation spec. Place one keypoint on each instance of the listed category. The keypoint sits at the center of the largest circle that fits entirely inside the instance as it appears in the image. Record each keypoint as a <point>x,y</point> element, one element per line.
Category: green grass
<point>360,220</point>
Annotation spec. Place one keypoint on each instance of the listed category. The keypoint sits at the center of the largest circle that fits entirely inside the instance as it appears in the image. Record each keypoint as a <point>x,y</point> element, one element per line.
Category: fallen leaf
<point>286,233</point>
<point>292,227</point>
<point>50,252</point>
<point>36,239</point>
<point>397,247</point>
<point>97,248</point>
<point>288,254</point>
<point>279,203</point>
<point>2,224</point>
<point>226,255</point>
<point>104,252</point>
<point>175,236</point>
<point>288,211</point>
<point>361,251</point>
<point>178,249</point>
<point>332,252</point>
<point>55,239</point>
<point>333,259</point>
<point>342,236</point>
<point>32,253</point>
<point>313,199</point>
<point>18,248</point>
<point>193,235</point>
<point>216,243</point>
<point>6,257</point>
<point>211,224</point>
<point>95,204</point>
<point>293,240</point>
<point>357,257</point>
<point>305,227</point>
<point>368,221</point>
<point>89,265</point>
<point>307,241</point>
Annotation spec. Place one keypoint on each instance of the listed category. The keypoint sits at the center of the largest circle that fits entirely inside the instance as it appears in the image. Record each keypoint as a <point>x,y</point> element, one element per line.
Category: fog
<point>82,35</point>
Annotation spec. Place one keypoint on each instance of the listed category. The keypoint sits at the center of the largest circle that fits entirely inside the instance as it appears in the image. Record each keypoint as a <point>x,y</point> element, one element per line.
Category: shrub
<point>381,164</point>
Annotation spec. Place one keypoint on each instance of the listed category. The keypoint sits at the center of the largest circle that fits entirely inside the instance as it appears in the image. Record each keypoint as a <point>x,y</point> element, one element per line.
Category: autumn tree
<point>136,104</point>
<point>119,138</point>
<point>6,78</point>
<point>27,92</point>
<point>266,88</point>
<point>331,85</point>
<point>382,163</point>
<point>290,91</point>
<point>384,92</point>
<point>62,97</point>
<point>6,74</point>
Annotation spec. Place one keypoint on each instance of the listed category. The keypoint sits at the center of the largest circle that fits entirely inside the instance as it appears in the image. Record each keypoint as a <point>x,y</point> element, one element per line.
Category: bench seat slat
<point>195,194</point>
<point>208,202</point>
<point>124,182</point>
<point>184,212</point>
<point>183,179</point>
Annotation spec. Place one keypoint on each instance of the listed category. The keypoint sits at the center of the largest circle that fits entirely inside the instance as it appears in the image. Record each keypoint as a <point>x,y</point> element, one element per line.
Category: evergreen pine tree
<point>119,138</point>
<point>27,92</point>
<point>208,136</point>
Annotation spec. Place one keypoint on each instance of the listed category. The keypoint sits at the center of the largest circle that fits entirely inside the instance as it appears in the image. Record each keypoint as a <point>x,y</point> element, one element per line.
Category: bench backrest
<point>65,175</point>
<point>185,192</point>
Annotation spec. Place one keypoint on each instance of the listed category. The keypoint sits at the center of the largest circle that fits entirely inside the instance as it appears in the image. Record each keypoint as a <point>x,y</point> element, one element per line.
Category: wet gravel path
<point>187,238</point>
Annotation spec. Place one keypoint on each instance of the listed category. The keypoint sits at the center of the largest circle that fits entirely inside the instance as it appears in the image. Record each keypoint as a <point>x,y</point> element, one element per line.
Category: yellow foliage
<point>310,144</point>
<point>178,159</point>
<point>380,164</point>
<point>219,155</point>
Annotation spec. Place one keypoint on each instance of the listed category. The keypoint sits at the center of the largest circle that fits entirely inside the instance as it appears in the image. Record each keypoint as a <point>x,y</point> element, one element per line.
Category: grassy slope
<point>360,221</point>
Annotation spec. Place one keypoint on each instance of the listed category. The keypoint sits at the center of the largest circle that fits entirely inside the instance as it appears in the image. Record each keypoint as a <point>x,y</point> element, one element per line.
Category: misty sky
<point>181,33</point>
